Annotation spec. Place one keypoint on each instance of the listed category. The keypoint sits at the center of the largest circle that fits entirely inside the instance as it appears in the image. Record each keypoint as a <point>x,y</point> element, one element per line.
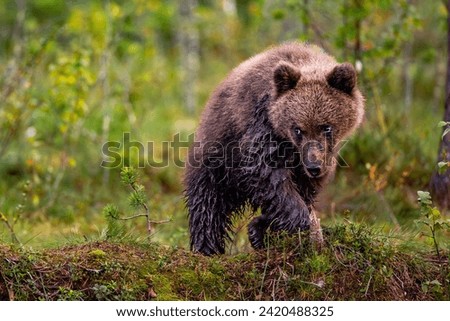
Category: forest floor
<point>355,263</point>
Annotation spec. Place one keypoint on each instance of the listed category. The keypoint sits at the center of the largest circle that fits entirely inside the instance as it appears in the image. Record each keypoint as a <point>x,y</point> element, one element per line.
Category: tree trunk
<point>406,75</point>
<point>358,47</point>
<point>440,183</point>
<point>189,52</point>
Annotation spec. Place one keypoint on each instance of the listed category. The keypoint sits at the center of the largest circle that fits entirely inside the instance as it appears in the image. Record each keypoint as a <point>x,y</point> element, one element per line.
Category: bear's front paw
<point>256,232</point>
<point>292,222</point>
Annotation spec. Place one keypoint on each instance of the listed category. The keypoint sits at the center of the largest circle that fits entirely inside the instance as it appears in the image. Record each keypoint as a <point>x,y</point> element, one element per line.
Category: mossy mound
<point>354,264</point>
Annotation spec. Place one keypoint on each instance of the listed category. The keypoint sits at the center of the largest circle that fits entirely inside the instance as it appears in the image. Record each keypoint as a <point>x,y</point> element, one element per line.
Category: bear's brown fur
<point>267,138</point>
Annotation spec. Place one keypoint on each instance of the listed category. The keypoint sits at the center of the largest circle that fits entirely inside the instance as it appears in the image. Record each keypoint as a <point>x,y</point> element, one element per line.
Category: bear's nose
<point>314,170</point>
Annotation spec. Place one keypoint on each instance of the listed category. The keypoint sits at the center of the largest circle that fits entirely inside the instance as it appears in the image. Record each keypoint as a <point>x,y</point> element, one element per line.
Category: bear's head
<point>315,109</point>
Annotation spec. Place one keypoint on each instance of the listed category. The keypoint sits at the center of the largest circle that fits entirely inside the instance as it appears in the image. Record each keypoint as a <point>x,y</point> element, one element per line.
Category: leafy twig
<point>432,218</point>
<point>10,227</point>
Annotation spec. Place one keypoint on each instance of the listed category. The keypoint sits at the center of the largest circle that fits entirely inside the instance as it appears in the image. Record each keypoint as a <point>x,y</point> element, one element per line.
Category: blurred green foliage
<point>75,74</point>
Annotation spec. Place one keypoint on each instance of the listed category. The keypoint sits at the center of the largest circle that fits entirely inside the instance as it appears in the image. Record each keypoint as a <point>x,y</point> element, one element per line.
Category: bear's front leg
<point>283,209</point>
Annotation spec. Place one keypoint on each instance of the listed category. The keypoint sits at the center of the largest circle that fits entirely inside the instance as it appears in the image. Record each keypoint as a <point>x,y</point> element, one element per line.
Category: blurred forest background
<point>75,74</point>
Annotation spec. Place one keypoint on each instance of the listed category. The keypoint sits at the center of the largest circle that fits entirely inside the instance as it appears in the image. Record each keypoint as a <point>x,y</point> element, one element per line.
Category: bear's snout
<point>314,155</point>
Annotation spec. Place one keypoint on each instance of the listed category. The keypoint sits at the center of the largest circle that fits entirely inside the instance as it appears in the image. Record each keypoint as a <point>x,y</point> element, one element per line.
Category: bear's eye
<point>298,132</point>
<point>327,130</point>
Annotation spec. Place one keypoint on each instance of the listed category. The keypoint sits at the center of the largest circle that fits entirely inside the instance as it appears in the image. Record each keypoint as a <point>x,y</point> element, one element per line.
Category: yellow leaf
<point>63,128</point>
<point>72,162</point>
<point>115,11</point>
<point>35,200</point>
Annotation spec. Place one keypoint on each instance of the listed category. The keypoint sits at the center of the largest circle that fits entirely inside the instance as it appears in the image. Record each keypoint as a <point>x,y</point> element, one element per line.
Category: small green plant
<point>10,222</point>
<point>70,295</point>
<point>434,287</point>
<point>138,201</point>
<point>444,124</point>
<point>432,218</point>
<point>10,226</point>
<point>443,165</point>
<point>103,292</point>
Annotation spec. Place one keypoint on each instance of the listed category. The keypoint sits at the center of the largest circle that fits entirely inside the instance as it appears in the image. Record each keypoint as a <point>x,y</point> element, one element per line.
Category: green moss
<point>201,284</point>
<point>215,285</point>
<point>163,287</point>
<point>216,266</point>
<point>97,253</point>
<point>318,264</point>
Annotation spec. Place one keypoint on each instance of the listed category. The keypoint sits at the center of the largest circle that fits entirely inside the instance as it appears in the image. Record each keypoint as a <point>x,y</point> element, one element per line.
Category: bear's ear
<point>343,78</point>
<point>285,77</point>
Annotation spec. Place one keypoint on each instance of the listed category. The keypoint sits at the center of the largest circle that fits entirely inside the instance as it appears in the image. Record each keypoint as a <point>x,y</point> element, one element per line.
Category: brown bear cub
<point>267,139</point>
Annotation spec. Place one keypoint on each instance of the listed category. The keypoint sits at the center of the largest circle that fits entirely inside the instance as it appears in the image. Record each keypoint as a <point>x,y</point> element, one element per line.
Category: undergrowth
<point>356,263</point>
